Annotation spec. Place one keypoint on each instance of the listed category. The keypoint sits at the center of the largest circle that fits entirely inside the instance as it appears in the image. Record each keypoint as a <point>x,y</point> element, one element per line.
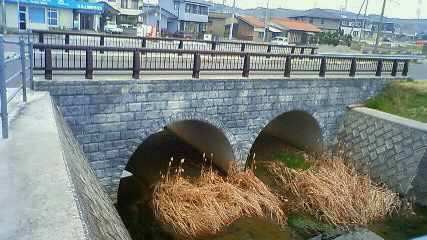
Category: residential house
<point>216,23</point>
<point>189,15</point>
<point>322,19</point>
<point>167,23</point>
<point>297,32</point>
<point>388,29</point>
<point>355,25</point>
<point>121,11</point>
<point>52,14</point>
<point>249,28</point>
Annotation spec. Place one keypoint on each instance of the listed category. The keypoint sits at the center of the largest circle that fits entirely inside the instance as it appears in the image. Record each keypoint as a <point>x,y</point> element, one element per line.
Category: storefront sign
<point>98,7</point>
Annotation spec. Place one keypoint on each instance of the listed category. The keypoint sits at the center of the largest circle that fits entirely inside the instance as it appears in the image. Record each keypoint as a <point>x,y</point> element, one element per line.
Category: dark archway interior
<point>186,139</point>
<point>295,128</point>
<point>181,140</point>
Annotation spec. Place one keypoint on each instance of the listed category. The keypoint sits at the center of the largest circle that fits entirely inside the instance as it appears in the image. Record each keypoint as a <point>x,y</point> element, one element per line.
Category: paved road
<point>418,71</point>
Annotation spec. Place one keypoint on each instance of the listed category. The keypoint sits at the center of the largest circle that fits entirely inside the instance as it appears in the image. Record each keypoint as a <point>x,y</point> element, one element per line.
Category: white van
<point>280,40</point>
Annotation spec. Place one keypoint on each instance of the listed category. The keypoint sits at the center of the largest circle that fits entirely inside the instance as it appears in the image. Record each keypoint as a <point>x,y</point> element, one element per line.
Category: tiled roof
<point>296,25</point>
<point>252,21</point>
<point>317,13</point>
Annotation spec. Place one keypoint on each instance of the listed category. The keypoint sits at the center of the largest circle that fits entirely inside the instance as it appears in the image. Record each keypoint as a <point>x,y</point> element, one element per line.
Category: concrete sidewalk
<point>36,198</point>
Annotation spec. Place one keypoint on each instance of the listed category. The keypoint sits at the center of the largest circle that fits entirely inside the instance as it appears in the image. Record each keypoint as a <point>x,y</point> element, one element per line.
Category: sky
<point>394,8</point>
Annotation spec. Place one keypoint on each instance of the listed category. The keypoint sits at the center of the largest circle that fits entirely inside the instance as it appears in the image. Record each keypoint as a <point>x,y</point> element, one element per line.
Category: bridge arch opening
<point>296,128</point>
<point>188,140</point>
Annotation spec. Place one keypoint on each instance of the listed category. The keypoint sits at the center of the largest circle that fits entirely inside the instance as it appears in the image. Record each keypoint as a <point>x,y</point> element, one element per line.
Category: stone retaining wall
<point>391,149</point>
<point>98,215</point>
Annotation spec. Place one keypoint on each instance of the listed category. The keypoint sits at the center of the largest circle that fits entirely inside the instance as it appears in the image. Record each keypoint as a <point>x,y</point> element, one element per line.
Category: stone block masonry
<point>111,118</point>
<point>391,149</point>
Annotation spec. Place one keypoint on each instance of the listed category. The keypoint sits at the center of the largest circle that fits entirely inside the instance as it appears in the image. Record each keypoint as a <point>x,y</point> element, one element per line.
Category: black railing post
<point>288,66</point>
<point>242,48</point>
<point>67,41</point>
<point>181,44</point>
<point>41,37</point>
<point>353,67</point>
<point>89,64</point>
<point>379,68</point>
<point>136,68</point>
<point>196,65</point>
<point>394,69</point>
<point>48,64</point>
<point>313,51</point>
<point>302,50</point>
<point>322,72</point>
<point>293,50</point>
<point>246,65</point>
<point>101,43</point>
<point>405,68</point>
<point>213,47</point>
<point>144,43</point>
<point>269,49</point>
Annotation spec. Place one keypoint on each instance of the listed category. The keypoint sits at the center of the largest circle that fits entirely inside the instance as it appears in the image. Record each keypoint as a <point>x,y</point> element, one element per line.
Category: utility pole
<point>3,18</point>
<point>265,22</point>
<point>364,22</point>
<point>160,20</point>
<point>420,3</point>
<point>148,12</point>
<point>380,28</point>
<point>346,2</point>
<point>230,34</point>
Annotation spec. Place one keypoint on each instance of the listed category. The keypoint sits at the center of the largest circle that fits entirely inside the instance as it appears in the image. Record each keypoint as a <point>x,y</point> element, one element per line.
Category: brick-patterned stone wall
<point>100,218</point>
<point>111,118</point>
<point>391,149</point>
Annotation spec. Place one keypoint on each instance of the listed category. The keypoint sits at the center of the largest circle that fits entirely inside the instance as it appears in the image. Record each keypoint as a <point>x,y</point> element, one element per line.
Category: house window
<point>36,15</point>
<point>187,8</point>
<point>134,4</point>
<point>351,24</point>
<point>344,23</point>
<point>311,20</point>
<point>322,22</point>
<point>124,4</point>
<point>176,5</point>
<point>52,16</point>
<point>260,34</point>
<point>358,24</point>
<point>355,33</point>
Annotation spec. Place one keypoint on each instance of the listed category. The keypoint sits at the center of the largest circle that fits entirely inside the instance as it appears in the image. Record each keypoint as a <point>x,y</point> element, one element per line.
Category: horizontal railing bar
<point>9,98</point>
<point>13,76</point>
<point>11,42</point>
<point>204,52</point>
<point>166,39</point>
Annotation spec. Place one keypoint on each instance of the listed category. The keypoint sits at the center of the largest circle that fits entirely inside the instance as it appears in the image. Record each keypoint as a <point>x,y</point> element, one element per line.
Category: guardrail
<point>89,39</point>
<point>52,57</point>
<point>23,56</point>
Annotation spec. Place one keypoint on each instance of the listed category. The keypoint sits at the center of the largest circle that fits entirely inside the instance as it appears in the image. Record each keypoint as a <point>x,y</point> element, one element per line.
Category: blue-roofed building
<point>52,14</point>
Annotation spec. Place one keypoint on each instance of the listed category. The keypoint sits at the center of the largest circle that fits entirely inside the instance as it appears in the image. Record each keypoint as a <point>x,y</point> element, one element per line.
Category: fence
<point>89,39</point>
<point>25,53</point>
<point>51,58</point>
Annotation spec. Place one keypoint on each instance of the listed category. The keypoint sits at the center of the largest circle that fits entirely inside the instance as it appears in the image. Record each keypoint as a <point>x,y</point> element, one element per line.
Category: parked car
<point>184,34</point>
<point>387,40</point>
<point>111,27</point>
<point>280,41</point>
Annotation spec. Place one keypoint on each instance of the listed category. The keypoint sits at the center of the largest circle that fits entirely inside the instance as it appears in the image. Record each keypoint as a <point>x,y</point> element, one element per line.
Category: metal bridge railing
<point>25,53</point>
<point>67,58</point>
<point>91,39</point>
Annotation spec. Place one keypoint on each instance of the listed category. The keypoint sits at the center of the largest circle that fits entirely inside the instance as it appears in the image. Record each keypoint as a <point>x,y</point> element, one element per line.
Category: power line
<point>420,3</point>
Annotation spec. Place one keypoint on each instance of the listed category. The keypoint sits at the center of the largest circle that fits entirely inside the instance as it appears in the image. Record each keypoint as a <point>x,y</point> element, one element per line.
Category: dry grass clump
<point>209,203</point>
<point>336,193</point>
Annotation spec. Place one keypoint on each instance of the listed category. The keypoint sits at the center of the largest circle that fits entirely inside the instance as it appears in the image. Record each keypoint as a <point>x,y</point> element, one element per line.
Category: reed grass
<point>334,192</point>
<point>205,205</point>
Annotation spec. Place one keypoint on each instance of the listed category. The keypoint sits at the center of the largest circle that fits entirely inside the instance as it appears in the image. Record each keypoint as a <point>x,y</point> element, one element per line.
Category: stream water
<point>151,158</point>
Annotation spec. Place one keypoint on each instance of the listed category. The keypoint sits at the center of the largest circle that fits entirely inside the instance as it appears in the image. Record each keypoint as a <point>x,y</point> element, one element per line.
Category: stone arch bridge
<point>111,118</point>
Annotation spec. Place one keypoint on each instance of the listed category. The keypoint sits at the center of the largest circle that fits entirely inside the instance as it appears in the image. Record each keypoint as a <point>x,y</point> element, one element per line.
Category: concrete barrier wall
<point>391,149</point>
